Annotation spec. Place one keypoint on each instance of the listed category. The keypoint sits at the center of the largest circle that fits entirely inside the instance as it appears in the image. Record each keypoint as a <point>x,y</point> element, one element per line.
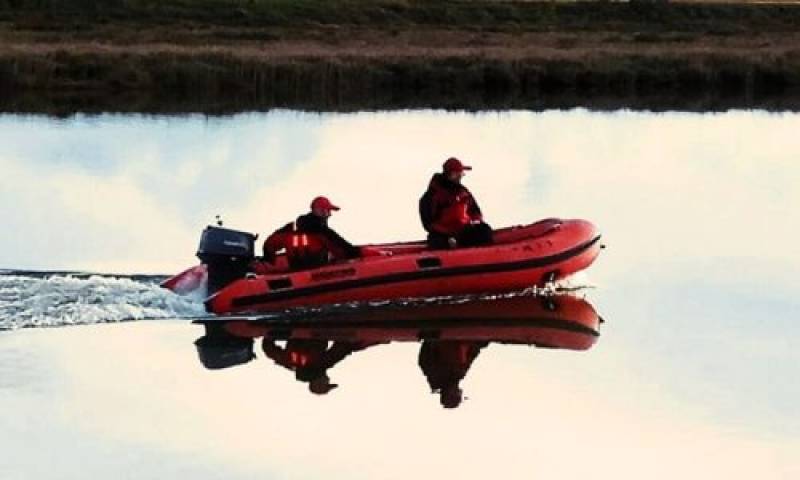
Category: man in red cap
<point>311,358</point>
<point>449,212</point>
<point>309,241</point>
<point>445,363</point>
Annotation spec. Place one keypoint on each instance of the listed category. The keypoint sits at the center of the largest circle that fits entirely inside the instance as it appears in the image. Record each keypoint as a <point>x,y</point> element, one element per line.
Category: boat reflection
<point>451,333</point>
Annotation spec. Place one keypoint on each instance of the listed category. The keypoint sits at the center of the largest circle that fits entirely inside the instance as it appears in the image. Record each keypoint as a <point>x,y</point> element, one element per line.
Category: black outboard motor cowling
<point>219,349</point>
<point>227,254</point>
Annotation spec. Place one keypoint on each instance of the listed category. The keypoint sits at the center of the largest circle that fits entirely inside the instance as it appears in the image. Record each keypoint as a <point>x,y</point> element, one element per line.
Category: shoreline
<point>65,105</point>
<point>598,56</point>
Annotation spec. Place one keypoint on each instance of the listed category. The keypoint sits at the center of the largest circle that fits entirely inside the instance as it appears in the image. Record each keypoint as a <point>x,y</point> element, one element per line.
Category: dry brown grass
<point>332,64</point>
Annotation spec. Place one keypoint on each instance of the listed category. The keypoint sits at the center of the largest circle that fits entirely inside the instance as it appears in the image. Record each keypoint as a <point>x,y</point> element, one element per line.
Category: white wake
<point>57,300</point>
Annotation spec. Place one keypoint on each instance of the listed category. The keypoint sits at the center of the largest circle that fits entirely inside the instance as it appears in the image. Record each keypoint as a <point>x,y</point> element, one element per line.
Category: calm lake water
<point>694,374</point>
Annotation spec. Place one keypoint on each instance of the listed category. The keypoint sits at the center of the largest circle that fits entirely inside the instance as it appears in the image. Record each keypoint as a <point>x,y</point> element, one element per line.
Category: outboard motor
<point>227,254</point>
<point>218,349</point>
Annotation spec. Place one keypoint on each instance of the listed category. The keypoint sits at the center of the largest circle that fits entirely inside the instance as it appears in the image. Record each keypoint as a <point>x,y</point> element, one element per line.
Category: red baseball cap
<point>454,165</point>
<point>323,203</point>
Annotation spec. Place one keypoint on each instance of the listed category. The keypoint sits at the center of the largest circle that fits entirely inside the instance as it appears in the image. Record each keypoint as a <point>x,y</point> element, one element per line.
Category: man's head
<point>451,396</point>
<point>322,207</point>
<point>321,385</point>
<point>454,170</point>
<point>316,377</point>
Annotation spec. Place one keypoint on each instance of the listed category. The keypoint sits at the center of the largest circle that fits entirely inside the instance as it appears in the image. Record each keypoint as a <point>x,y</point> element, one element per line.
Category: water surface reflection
<point>694,377</point>
<point>451,335</point>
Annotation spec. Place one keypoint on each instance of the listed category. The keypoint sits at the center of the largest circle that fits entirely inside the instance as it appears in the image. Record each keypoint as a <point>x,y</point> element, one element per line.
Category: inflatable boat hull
<point>560,321</point>
<point>521,257</point>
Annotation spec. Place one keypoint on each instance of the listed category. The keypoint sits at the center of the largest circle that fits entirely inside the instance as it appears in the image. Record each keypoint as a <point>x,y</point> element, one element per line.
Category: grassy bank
<point>208,55</point>
<point>730,17</point>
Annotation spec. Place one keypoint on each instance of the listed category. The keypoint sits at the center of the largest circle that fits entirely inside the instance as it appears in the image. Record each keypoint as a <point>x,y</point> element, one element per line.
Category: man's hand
<point>452,242</point>
<point>374,252</point>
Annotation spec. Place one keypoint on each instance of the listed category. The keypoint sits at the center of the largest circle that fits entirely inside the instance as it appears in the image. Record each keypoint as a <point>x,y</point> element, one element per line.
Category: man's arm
<point>339,245</point>
<point>426,211</point>
<point>276,353</point>
<point>474,210</point>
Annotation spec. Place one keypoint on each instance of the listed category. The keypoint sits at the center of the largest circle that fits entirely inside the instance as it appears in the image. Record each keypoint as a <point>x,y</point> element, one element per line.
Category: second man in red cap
<point>449,212</point>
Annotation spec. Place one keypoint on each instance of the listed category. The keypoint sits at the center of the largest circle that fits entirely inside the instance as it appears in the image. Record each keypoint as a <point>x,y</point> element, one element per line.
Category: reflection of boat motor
<point>226,253</point>
<point>219,349</point>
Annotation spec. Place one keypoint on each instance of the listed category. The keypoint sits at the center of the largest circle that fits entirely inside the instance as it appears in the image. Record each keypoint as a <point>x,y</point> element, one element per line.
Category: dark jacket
<point>447,207</point>
<point>309,243</point>
<point>445,363</point>
<point>307,353</point>
<point>310,358</point>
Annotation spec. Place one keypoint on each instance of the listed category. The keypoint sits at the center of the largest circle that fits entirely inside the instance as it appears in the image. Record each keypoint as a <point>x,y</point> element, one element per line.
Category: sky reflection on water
<point>694,375</point>
<point>661,186</point>
<point>149,407</point>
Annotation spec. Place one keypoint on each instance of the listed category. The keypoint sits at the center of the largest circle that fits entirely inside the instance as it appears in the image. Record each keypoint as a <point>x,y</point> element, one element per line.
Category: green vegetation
<point>469,14</point>
<point>220,55</point>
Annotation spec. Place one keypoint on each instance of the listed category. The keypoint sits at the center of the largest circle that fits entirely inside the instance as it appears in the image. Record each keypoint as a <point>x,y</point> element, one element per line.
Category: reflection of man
<point>311,358</point>
<point>445,363</point>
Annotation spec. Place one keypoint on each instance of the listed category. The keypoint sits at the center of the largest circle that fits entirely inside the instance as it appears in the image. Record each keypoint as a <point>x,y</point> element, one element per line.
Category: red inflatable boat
<point>521,257</point>
<point>557,321</point>
<point>449,326</point>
